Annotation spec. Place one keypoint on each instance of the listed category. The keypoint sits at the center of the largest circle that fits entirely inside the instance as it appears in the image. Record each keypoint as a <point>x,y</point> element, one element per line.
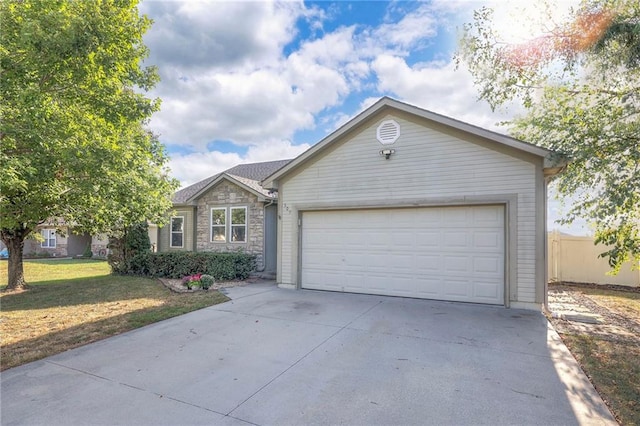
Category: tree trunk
<point>14,240</point>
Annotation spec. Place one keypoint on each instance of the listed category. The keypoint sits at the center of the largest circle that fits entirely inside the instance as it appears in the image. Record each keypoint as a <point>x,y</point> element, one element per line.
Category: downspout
<point>553,165</point>
<point>545,302</point>
<point>264,240</point>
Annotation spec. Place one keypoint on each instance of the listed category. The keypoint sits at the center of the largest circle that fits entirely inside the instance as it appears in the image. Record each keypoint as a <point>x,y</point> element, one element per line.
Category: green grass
<point>70,303</point>
<point>612,364</point>
<point>37,271</point>
<point>614,369</point>
<point>626,303</point>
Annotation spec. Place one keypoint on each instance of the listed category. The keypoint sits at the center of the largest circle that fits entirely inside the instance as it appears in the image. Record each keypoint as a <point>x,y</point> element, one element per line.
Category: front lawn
<point>74,302</point>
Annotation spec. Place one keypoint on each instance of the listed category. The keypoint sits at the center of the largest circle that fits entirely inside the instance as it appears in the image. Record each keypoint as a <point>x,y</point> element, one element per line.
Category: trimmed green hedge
<point>222,266</point>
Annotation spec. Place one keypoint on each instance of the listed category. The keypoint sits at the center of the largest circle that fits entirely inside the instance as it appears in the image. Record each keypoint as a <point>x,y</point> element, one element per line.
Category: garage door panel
<point>321,279</point>
<point>456,216</point>
<point>427,263</point>
<point>354,283</point>
<point>402,239</point>
<point>486,290</point>
<point>374,282</point>
<point>378,240</point>
<point>455,239</point>
<point>429,288</point>
<point>427,239</point>
<point>457,264</point>
<point>322,258</point>
<point>405,286</point>
<point>456,289</point>
<point>399,263</point>
<point>454,253</point>
<point>487,266</point>
<point>487,240</point>
<point>487,217</point>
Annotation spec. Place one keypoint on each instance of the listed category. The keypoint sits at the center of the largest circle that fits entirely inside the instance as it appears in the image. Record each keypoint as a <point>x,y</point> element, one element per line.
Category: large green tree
<point>580,85</point>
<point>72,107</point>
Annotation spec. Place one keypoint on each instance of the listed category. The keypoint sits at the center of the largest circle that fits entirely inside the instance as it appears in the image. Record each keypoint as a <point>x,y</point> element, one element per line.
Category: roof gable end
<point>243,175</point>
<point>248,185</point>
<point>390,105</point>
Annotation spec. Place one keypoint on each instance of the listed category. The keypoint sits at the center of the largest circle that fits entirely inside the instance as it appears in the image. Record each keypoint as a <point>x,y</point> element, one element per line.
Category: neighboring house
<point>405,202</point>
<point>225,212</point>
<point>60,241</point>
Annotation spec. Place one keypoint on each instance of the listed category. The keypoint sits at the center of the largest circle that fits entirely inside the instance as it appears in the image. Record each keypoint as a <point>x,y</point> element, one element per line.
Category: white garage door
<point>449,253</point>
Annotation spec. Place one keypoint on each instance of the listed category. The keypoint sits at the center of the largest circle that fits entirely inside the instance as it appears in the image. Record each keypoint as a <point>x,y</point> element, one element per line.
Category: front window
<point>177,232</point>
<point>219,225</point>
<point>238,224</point>
<point>49,236</point>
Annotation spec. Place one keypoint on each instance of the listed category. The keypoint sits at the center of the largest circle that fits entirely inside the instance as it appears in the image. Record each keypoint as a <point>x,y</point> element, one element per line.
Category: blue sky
<point>257,81</point>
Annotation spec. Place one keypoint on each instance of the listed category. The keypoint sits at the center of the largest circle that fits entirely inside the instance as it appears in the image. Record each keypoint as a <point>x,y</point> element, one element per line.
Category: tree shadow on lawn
<point>82,291</point>
<point>28,350</point>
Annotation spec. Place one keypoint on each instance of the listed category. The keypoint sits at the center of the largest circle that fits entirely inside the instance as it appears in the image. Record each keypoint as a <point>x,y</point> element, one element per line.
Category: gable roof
<point>552,160</point>
<point>247,176</point>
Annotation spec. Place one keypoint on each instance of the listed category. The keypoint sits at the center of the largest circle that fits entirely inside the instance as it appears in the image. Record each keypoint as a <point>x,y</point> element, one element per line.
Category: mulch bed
<point>177,286</point>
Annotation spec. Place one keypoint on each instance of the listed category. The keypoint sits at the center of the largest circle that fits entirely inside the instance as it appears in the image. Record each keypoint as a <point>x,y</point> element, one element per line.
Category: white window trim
<point>47,239</point>
<point>228,225</point>
<point>231,225</point>
<point>171,232</point>
<point>211,225</point>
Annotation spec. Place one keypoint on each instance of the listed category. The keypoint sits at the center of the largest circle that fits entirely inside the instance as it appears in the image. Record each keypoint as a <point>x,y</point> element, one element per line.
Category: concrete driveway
<point>273,356</point>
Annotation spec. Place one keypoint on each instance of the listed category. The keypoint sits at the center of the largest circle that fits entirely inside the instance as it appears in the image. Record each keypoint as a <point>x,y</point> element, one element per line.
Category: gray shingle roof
<point>248,174</point>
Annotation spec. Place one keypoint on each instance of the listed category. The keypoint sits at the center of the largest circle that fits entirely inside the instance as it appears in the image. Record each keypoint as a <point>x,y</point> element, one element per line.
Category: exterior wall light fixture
<point>387,153</point>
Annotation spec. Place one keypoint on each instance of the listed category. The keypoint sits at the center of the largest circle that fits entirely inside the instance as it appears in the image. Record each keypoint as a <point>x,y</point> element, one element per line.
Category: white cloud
<point>199,35</point>
<point>436,86</point>
<point>234,71</point>
<point>412,29</point>
<point>252,99</point>
<point>191,168</point>
<point>246,108</point>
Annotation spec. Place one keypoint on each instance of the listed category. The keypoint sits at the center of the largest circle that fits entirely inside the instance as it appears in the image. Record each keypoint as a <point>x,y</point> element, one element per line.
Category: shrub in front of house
<point>220,266</point>
<point>206,281</point>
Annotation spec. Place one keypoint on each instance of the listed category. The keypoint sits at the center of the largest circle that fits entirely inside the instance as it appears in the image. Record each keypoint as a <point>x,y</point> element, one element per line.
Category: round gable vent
<point>388,132</point>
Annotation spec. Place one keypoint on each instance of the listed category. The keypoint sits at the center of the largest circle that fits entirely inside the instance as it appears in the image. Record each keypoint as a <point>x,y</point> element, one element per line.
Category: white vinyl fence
<point>575,259</point>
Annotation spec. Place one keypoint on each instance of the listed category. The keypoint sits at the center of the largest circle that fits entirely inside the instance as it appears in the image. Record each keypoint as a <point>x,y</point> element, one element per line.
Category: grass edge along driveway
<point>608,354</point>
<point>72,302</point>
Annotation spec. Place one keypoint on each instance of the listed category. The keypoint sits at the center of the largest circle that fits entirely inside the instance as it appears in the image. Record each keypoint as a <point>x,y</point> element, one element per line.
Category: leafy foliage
<point>221,266</point>
<point>134,240</point>
<point>207,281</point>
<point>74,146</point>
<point>580,83</point>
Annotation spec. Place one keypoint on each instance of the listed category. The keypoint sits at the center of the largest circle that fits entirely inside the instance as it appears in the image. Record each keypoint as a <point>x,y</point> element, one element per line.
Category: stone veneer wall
<point>227,194</point>
<point>33,247</point>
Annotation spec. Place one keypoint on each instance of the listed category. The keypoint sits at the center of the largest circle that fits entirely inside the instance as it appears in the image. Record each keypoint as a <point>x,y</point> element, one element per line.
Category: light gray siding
<point>165,231</point>
<point>431,166</point>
